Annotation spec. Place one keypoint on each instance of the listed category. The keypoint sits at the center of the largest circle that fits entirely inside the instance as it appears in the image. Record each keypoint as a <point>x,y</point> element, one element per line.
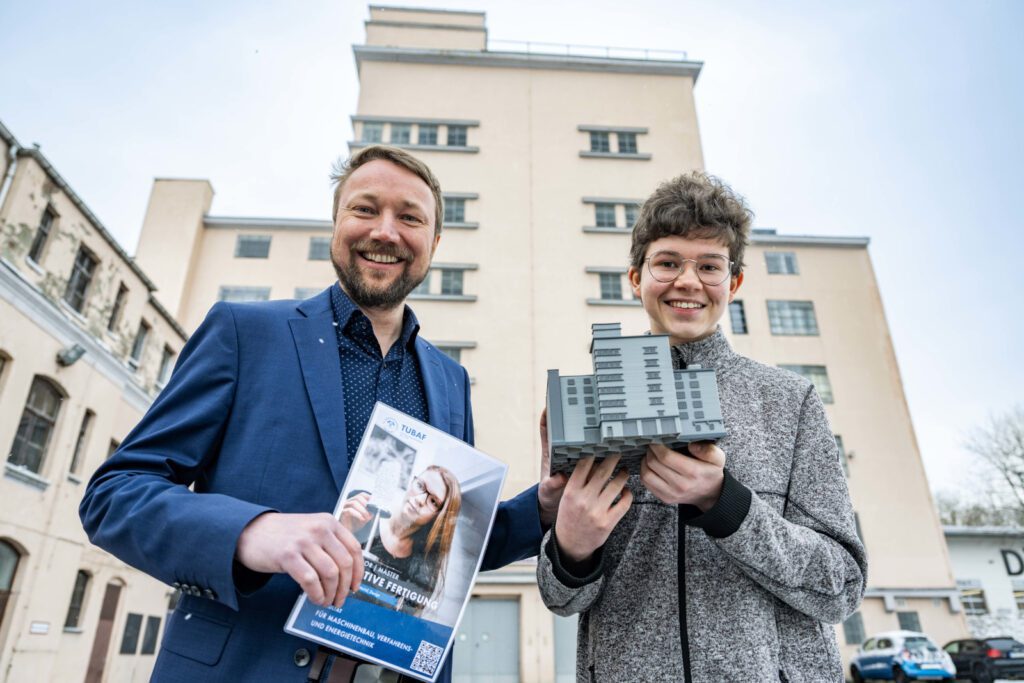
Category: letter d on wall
<point>1007,555</point>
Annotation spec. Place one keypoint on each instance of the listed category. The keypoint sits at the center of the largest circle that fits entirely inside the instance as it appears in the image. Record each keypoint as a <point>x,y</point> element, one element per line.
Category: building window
<point>972,597</point>
<point>149,639</point>
<point>627,143</point>
<point>36,425</point>
<point>306,292</point>
<point>427,134</point>
<point>456,136</point>
<point>166,365</point>
<point>9,558</point>
<point>401,133</point>
<point>611,286</point>
<point>112,447</point>
<point>130,640</point>
<point>252,246</point>
<point>632,211</point>
<point>118,307</point>
<point>81,276</point>
<point>423,287</point>
<point>453,352</point>
<point>792,318</point>
<point>373,131</point>
<point>781,262</point>
<point>909,621</point>
<point>451,282</point>
<point>81,442</point>
<point>1018,594</point>
<point>599,141</point>
<point>604,215</point>
<point>42,235</point>
<point>853,629</point>
<point>243,294</point>
<point>737,317</point>
<point>319,249</point>
<point>454,210</point>
<point>77,598</point>
<point>818,376</point>
<point>139,345</point>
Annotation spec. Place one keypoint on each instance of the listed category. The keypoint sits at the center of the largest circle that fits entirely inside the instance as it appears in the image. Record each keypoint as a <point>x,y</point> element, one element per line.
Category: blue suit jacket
<point>253,419</point>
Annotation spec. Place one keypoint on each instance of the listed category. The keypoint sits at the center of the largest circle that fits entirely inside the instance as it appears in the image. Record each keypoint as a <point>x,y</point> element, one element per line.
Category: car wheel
<point>981,674</point>
<point>855,675</point>
<point>899,676</point>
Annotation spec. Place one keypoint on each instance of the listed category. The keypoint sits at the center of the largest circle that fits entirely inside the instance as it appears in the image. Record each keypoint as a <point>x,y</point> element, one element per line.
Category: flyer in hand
<point>421,503</point>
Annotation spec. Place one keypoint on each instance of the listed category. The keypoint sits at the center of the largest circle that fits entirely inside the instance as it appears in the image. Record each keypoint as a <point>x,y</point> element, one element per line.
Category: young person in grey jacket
<point>729,563</point>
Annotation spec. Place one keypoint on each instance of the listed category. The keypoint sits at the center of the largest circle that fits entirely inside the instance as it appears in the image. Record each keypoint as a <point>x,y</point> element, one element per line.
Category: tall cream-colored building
<point>84,347</point>
<point>543,156</point>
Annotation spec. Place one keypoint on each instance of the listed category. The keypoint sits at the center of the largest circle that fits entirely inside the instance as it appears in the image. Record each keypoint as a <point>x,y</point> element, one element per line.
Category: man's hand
<point>589,511</point>
<point>549,493</point>
<point>676,478</point>
<point>318,552</point>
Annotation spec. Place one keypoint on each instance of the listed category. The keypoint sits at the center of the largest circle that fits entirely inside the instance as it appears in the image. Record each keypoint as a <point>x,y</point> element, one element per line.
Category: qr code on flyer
<point>428,656</point>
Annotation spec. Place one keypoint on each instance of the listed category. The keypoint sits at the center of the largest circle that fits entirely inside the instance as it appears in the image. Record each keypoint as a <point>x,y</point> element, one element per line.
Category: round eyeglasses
<point>712,269</point>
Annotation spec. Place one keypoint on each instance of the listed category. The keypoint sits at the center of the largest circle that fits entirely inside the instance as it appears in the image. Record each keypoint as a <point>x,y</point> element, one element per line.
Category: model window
<point>81,275</point>
<point>36,425</point>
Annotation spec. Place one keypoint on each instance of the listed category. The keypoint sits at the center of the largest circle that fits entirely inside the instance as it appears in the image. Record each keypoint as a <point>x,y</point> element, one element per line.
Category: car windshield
<point>1005,644</point>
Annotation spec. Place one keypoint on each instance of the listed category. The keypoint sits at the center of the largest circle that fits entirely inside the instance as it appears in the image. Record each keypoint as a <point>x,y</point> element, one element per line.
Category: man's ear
<point>734,285</point>
<point>634,280</point>
<point>437,238</point>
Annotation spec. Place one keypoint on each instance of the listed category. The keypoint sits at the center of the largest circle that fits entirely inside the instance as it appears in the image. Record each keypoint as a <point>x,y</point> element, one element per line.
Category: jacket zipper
<point>684,639</point>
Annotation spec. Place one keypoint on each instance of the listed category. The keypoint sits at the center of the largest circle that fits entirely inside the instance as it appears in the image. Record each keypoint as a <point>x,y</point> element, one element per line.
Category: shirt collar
<point>346,313</point>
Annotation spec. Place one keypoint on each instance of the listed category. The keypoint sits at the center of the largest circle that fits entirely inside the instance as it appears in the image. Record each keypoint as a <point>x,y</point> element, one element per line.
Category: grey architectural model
<point>634,398</point>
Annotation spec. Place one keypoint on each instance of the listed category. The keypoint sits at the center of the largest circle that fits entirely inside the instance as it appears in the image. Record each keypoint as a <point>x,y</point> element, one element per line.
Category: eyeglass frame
<point>422,490</point>
<point>682,267</point>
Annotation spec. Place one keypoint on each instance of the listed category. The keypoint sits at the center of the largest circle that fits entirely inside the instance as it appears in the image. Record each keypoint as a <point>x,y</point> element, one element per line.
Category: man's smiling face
<point>384,234</point>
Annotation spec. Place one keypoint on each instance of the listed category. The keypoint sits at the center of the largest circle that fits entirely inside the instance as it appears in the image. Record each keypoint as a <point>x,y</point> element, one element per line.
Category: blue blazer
<point>253,419</point>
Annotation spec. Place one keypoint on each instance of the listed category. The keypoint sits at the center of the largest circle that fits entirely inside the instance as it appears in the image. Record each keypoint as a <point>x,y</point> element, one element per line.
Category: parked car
<point>901,656</point>
<point>985,660</point>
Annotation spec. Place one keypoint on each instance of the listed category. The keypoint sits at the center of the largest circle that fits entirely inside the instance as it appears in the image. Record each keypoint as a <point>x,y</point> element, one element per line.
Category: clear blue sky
<point>901,121</point>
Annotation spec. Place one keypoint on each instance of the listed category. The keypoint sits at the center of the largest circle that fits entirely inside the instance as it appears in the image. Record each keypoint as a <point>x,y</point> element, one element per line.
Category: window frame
<point>18,456</point>
<point>82,441</point>
<point>251,240</point>
<point>42,236</point>
<point>781,263</point>
<point>73,619</point>
<point>792,318</point>
<point>319,249</point>
<point>83,271</point>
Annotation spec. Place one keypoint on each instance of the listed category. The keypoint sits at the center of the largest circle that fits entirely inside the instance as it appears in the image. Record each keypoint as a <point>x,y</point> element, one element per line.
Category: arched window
<point>9,557</point>
<point>36,425</point>
<point>77,598</point>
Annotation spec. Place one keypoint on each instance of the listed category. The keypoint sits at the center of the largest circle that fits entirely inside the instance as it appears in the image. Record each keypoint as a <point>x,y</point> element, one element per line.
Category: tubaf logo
<point>409,430</point>
<point>390,424</point>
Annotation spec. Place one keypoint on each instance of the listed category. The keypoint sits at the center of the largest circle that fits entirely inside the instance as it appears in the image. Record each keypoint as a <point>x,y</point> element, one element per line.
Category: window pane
<point>456,136</point>
<point>81,276</point>
<point>400,133</point>
<point>8,563</point>
<point>632,211</point>
<point>781,262</point>
<point>140,341</point>
<point>373,131</point>
<point>319,248</point>
<point>627,143</point>
<point>792,318</point>
<point>599,141</point>
<point>149,640</point>
<point>604,215</point>
<point>81,441</point>
<point>737,317</point>
<point>166,365</point>
<point>423,287</point>
<point>909,621</point>
<point>115,311</point>
<point>252,246</point>
<point>818,376</point>
<point>77,597</point>
<point>35,426</point>
<point>611,286</point>
<point>853,629</point>
<point>454,210</point>
<point>453,352</point>
<point>243,294</point>
<point>42,234</point>
<point>427,134</point>
<point>130,641</point>
<point>451,282</point>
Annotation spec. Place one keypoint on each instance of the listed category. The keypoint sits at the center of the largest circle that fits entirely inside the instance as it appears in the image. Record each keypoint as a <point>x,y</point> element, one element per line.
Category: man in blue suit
<point>222,489</point>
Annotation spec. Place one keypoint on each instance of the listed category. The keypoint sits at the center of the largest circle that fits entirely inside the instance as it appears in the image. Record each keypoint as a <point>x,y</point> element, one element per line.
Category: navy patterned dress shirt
<point>367,377</point>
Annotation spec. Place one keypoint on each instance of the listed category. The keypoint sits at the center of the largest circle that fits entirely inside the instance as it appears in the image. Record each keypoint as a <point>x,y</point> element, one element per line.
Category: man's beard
<point>359,287</point>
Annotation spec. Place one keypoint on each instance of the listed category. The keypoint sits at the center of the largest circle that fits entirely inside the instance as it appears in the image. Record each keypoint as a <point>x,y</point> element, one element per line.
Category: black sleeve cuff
<point>574,574</point>
<point>725,516</point>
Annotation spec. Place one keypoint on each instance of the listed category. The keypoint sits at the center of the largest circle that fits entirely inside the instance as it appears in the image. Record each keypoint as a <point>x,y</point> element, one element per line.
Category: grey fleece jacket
<point>766,570</point>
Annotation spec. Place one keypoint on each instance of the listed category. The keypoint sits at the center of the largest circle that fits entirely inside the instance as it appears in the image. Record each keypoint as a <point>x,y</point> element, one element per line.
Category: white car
<point>901,656</point>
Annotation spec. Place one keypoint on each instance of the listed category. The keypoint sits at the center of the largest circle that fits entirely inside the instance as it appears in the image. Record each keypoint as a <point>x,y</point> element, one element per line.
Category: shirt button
<point>301,657</point>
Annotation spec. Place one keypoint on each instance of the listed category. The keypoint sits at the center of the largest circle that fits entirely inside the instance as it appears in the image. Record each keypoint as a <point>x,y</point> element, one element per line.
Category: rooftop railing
<point>601,51</point>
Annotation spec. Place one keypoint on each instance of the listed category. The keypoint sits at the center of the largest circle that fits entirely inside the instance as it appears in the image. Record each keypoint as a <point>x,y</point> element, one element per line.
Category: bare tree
<point>1000,443</point>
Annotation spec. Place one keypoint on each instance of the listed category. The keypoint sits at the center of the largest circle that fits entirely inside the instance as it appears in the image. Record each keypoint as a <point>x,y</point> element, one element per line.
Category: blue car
<point>901,656</point>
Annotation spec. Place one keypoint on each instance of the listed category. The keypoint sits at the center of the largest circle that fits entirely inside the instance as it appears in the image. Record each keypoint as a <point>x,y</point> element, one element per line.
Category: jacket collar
<point>712,351</point>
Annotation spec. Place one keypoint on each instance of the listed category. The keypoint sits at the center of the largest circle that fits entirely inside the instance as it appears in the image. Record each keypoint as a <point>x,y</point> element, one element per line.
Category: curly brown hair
<point>694,205</point>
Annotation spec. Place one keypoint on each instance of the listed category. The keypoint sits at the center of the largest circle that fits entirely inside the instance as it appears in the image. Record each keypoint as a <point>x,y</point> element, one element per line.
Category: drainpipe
<point>5,183</point>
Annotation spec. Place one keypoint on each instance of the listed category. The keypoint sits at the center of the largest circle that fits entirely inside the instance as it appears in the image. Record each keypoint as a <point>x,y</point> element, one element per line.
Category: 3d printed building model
<point>634,398</point>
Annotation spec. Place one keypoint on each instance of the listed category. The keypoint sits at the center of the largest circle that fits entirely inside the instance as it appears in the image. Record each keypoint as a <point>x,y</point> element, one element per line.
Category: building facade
<point>544,158</point>
<point>84,347</point>
<point>988,563</point>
